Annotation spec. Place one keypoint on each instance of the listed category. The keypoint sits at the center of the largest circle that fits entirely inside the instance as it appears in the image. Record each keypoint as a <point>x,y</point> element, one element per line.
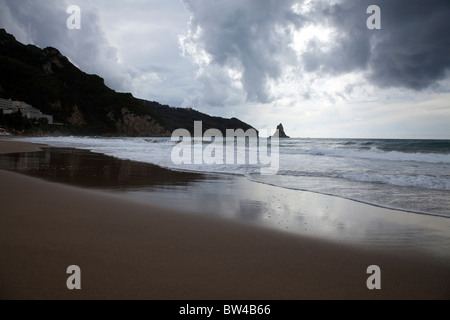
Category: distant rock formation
<point>281,133</point>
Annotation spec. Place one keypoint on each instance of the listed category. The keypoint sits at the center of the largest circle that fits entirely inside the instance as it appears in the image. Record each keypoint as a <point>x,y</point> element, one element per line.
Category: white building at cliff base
<point>9,107</point>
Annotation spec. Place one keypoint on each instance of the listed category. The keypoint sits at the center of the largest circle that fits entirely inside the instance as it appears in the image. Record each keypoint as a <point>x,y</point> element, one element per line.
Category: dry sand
<point>130,250</point>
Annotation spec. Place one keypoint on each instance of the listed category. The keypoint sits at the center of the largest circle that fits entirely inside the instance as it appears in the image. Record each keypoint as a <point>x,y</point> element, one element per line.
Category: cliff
<point>82,102</point>
<point>174,118</point>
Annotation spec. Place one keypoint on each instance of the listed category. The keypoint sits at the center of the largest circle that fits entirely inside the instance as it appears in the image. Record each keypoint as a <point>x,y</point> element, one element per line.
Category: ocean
<point>410,175</point>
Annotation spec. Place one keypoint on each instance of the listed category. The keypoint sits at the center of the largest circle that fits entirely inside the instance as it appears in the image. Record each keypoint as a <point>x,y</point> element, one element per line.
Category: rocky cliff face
<point>76,119</point>
<point>132,125</point>
<point>81,102</point>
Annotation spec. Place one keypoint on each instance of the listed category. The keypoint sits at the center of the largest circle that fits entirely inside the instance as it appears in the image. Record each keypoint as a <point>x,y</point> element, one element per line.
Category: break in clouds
<point>249,44</point>
<point>238,50</point>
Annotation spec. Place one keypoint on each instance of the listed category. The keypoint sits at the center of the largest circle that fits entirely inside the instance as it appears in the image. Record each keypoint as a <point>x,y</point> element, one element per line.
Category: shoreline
<point>129,249</point>
<point>426,201</point>
<point>233,197</point>
<point>432,214</point>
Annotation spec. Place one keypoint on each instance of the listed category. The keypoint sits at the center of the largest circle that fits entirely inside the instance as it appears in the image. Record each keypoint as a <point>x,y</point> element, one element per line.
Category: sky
<point>314,66</point>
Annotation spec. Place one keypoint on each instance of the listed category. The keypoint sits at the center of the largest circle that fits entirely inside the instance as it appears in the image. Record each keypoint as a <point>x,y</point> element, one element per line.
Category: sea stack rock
<point>281,133</point>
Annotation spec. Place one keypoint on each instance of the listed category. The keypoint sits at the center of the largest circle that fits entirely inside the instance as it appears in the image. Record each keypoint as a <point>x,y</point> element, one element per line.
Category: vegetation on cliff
<point>81,102</point>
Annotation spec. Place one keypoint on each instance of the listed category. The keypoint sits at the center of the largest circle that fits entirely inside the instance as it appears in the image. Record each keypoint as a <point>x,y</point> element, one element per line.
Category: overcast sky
<point>312,65</point>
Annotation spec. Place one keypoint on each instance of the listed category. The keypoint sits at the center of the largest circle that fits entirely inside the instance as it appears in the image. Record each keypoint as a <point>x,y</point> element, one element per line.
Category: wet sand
<point>131,249</point>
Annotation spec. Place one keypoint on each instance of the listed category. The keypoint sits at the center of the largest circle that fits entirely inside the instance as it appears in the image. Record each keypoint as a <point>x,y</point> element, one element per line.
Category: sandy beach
<point>127,249</point>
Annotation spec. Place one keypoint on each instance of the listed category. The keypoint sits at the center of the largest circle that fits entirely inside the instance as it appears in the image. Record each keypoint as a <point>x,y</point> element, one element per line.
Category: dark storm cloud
<point>416,51</point>
<point>251,35</point>
<point>350,44</point>
<point>412,50</point>
<point>249,44</point>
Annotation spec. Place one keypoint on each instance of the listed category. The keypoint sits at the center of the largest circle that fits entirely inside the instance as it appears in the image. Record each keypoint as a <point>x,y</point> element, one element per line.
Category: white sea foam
<point>372,154</point>
<point>338,167</point>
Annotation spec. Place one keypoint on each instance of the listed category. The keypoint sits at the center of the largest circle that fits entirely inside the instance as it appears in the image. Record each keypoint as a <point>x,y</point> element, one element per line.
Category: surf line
<point>237,147</point>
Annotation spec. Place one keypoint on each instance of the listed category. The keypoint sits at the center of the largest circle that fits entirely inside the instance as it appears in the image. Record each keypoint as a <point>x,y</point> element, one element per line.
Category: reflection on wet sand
<point>237,198</point>
<point>86,169</point>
